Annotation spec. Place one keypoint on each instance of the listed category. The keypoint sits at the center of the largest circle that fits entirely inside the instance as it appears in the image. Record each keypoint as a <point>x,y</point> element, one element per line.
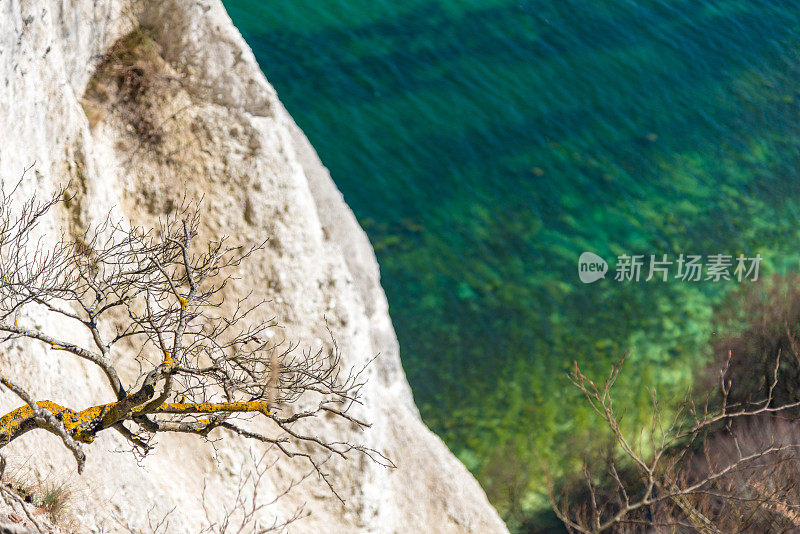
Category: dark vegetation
<point>477,218</point>
<point>722,460</point>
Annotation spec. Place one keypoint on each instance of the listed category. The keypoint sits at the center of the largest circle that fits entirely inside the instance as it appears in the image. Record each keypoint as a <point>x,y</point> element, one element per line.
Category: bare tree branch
<point>205,363</point>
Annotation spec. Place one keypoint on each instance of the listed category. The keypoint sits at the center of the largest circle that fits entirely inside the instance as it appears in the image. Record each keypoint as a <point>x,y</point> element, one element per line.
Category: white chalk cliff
<point>204,122</point>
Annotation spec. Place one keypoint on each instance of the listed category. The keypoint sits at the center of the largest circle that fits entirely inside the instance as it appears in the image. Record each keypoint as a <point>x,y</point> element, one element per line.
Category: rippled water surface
<point>484,145</point>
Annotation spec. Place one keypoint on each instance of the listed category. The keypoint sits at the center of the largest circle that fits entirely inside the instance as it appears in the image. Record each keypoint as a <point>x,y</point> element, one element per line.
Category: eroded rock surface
<point>141,104</point>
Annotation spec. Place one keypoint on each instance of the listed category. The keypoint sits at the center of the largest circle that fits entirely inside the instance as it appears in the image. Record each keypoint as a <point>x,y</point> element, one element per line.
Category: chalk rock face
<point>137,105</point>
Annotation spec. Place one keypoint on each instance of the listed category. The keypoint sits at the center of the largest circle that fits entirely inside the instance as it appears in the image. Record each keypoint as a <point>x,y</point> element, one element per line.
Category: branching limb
<point>44,419</point>
<point>204,356</point>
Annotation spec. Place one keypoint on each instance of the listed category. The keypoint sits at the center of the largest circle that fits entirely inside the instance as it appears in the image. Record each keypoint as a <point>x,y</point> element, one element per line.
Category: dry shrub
<point>128,73</point>
<point>727,460</point>
<point>48,502</point>
<point>709,469</point>
<point>757,325</point>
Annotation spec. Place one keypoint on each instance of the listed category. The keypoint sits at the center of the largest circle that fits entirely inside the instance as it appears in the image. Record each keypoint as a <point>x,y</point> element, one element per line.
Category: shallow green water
<point>484,145</point>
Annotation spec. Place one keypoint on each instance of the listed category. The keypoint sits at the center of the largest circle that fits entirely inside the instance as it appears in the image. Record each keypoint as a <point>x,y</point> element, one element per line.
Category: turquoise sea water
<point>484,144</point>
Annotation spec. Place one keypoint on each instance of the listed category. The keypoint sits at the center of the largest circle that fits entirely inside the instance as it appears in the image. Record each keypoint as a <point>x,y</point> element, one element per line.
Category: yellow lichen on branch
<point>84,425</point>
<point>80,425</point>
<point>210,407</point>
<point>119,283</point>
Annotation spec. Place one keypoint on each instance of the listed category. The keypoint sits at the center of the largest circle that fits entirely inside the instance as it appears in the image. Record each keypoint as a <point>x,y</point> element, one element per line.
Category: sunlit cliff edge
<point>138,105</point>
